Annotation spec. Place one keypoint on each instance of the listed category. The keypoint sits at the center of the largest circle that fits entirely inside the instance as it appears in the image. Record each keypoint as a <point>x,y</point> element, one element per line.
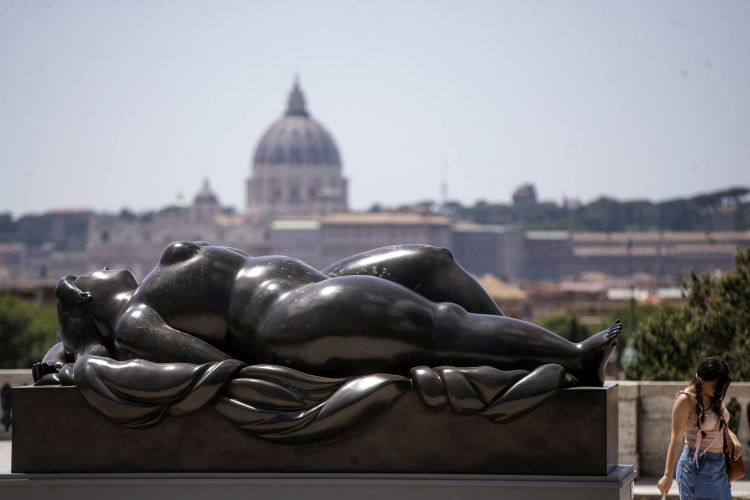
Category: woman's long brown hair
<point>710,369</point>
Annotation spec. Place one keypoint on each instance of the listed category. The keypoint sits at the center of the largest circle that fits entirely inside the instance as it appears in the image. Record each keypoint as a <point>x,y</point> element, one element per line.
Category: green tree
<point>568,327</point>
<point>715,321</point>
<point>630,322</point>
<point>27,331</point>
<point>127,215</point>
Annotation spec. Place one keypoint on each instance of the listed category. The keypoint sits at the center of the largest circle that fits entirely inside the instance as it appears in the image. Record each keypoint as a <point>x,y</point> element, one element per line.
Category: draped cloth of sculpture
<point>287,406</point>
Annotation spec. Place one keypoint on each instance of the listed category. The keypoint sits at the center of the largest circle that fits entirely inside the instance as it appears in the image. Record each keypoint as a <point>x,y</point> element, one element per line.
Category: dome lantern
<point>296,102</point>
<point>205,196</point>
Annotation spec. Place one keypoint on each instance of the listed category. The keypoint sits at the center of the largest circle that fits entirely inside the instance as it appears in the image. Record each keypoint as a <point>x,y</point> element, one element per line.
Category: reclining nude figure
<point>384,311</point>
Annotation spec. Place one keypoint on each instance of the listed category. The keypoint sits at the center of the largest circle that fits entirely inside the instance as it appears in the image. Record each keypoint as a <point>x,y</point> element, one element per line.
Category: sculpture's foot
<point>570,381</point>
<point>598,350</point>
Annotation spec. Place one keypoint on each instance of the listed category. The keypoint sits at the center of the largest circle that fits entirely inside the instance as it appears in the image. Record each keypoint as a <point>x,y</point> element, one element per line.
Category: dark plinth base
<point>618,485</point>
<point>574,433</point>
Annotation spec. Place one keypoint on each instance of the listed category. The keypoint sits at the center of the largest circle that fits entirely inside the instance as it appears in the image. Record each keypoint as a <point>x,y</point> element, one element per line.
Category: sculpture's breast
<point>190,289</point>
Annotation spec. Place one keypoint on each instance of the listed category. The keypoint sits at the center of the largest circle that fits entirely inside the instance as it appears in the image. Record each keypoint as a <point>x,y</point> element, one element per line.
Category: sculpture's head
<point>88,308</point>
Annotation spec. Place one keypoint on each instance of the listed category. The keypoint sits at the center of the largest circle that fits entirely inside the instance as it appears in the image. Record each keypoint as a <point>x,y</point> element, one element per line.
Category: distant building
<point>322,241</point>
<point>516,255</point>
<point>296,168</point>
<point>512,300</point>
<point>12,257</point>
<point>725,218</point>
<point>137,244</point>
<point>592,296</point>
<point>205,205</point>
<point>524,195</point>
<point>572,204</point>
<point>489,249</point>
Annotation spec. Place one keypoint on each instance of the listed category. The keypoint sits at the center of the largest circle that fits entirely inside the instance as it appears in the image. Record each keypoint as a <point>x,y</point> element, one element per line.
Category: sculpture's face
<point>107,290</point>
<point>88,308</point>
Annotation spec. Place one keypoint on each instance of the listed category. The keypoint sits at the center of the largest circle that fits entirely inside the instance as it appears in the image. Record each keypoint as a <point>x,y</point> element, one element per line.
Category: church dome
<point>297,139</point>
<point>205,196</point>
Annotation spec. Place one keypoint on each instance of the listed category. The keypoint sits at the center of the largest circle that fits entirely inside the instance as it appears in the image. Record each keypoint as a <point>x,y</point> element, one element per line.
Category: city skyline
<point>115,105</point>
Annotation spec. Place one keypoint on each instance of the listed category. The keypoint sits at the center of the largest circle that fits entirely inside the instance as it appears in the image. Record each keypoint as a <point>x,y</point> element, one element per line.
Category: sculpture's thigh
<point>427,270</point>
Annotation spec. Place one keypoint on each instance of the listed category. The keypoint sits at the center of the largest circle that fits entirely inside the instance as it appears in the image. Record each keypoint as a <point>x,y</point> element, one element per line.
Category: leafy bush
<point>27,331</point>
<point>568,327</point>
<point>715,321</point>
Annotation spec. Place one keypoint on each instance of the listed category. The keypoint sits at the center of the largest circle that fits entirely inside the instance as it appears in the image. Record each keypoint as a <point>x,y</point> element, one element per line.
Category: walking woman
<point>700,416</point>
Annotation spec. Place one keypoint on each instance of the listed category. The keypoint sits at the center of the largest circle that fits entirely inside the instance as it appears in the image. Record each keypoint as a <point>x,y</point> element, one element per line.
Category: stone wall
<point>14,378</point>
<point>645,422</point>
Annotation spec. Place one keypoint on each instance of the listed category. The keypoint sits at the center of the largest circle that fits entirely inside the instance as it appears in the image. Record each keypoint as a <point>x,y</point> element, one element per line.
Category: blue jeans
<point>705,479</point>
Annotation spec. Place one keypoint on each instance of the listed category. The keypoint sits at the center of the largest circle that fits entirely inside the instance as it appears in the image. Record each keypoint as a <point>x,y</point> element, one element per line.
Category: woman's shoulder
<point>685,395</point>
<point>685,401</point>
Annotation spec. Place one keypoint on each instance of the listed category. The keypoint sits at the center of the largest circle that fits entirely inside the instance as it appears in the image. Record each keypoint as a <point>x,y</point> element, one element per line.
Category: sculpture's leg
<point>359,324</point>
<point>521,345</point>
<point>430,271</point>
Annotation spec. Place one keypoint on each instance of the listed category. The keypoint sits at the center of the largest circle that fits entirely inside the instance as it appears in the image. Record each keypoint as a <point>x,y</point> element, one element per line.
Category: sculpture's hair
<point>78,331</point>
<point>710,369</point>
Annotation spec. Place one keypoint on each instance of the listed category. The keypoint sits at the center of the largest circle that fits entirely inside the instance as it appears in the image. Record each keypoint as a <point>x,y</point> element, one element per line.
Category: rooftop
<point>384,218</point>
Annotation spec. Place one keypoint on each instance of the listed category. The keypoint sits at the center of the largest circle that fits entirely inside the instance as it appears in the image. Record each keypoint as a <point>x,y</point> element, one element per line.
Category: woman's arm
<point>680,414</point>
<point>737,444</point>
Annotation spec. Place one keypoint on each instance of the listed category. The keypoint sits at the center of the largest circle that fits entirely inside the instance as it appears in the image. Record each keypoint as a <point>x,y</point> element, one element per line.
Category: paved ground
<point>645,489</point>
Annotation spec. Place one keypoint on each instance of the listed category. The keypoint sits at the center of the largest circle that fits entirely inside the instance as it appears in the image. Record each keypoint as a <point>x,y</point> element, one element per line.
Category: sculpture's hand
<point>39,370</point>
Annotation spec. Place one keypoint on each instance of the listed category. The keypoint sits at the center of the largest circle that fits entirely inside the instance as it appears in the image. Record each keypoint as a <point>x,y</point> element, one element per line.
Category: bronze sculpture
<point>134,349</point>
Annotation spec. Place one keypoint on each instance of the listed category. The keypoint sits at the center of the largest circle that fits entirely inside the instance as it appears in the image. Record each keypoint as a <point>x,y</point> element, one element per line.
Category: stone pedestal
<point>575,433</point>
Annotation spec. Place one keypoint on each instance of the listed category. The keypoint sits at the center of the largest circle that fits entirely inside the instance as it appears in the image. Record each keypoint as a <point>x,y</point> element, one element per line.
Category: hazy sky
<point>105,104</point>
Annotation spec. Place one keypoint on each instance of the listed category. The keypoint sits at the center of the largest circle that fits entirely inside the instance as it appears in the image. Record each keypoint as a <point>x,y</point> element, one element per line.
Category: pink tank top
<point>711,426</point>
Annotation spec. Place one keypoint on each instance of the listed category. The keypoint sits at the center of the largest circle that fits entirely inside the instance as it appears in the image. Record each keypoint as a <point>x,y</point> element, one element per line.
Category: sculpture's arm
<point>142,334</point>
<point>53,361</point>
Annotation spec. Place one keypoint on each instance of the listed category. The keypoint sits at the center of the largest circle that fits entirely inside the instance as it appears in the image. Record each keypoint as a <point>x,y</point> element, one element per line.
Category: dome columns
<point>287,190</point>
